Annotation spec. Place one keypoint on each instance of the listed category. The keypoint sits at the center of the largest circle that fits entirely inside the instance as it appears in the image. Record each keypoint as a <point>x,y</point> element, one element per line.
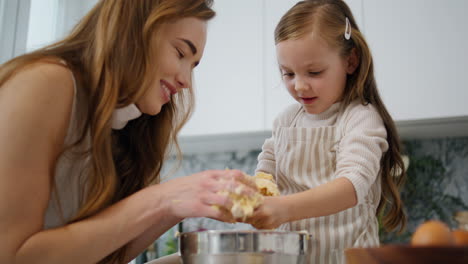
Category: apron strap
<point>295,117</point>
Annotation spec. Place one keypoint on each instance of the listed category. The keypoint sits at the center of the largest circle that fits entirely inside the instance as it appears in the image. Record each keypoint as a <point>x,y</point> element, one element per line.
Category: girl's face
<point>314,73</point>
<point>181,48</point>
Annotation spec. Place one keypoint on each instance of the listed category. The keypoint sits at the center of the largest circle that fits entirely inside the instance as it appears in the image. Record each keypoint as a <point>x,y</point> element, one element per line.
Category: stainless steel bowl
<point>252,246</point>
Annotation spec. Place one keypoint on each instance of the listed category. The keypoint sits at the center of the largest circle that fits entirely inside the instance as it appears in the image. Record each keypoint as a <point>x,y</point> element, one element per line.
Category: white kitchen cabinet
<point>229,80</point>
<point>420,54</point>
<point>276,96</point>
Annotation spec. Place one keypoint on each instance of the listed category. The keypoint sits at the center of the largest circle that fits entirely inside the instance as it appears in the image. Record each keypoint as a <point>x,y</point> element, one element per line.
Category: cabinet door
<point>420,54</point>
<point>229,82</point>
<point>276,96</point>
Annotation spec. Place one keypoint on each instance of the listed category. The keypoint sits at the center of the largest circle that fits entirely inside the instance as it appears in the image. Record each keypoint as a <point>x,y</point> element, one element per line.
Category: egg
<point>432,233</point>
<point>460,237</point>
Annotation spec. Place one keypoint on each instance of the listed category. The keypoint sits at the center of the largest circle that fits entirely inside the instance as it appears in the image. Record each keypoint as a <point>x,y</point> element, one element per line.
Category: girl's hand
<point>195,195</point>
<point>270,215</point>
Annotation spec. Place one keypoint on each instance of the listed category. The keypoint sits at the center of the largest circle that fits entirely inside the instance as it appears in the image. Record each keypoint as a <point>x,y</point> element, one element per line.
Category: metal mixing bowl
<point>252,246</point>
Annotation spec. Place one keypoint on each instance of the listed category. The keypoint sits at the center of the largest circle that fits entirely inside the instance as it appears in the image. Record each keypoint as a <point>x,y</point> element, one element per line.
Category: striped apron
<point>306,158</point>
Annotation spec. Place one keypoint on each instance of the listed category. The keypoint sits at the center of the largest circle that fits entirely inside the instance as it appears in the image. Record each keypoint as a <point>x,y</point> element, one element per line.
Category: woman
<point>86,125</point>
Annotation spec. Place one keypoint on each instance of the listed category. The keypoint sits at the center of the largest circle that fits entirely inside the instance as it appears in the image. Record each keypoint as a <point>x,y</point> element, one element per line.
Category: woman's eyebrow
<point>190,44</point>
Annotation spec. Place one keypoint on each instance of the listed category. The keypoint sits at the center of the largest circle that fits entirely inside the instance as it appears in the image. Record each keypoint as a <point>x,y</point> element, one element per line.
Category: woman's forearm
<point>326,199</point>
<point>140,218</point>
<point>90,240</point>
<point>142,242</point>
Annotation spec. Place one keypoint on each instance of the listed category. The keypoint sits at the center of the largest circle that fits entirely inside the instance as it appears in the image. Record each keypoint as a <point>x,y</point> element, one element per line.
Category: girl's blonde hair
<point>111,53</point>
<point>328,19</point>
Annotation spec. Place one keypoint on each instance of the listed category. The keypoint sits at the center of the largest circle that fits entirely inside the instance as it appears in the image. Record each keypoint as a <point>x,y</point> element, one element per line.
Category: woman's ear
<point>352,61</point>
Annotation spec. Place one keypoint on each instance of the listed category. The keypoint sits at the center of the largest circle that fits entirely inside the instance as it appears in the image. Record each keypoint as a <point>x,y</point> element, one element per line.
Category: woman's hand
<point>195,195</point>
<point>270,215</point>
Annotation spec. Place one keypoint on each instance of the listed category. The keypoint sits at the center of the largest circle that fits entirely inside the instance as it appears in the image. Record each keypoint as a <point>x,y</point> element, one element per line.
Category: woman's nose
<point>184,79</point>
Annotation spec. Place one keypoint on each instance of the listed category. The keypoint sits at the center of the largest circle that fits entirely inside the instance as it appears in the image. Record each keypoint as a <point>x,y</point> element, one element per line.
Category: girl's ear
<point>353,61</point>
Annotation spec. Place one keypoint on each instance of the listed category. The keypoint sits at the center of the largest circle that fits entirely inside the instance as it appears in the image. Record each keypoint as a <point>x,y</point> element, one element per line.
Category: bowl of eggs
<point>432,242</point>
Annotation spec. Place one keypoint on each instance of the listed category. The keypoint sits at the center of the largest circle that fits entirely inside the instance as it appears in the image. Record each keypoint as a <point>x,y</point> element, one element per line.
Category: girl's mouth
<point>308,100</point>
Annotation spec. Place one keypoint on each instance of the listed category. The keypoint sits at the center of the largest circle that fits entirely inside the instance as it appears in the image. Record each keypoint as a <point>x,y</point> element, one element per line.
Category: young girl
<point>335,154</point>
<point>85,128</point>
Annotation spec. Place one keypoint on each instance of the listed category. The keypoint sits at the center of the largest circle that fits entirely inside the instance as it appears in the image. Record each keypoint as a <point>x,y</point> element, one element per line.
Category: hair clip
<point>347,33</point>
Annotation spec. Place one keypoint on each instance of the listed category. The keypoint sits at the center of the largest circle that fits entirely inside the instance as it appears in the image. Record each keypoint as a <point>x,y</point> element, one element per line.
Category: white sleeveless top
<point>70,169</point>
<point>72,166</point>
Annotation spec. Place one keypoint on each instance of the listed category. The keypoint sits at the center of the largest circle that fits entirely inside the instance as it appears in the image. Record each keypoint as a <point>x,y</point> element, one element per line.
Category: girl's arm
<point>35,108</point>
<point>266,158</point>
<point>326,199</point>
<point>357,167</point>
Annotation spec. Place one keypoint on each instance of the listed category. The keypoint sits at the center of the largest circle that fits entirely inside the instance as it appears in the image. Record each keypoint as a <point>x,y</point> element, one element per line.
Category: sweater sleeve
<point>266,158</point>
<point>361,148</point>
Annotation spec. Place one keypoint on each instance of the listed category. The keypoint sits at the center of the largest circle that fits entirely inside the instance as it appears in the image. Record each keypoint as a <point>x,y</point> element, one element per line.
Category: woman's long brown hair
<point>328,19</point>
<point>111,53</point>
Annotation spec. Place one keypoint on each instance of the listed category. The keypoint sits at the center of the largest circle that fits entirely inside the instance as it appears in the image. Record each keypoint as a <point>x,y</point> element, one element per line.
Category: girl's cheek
<point>287,83</point>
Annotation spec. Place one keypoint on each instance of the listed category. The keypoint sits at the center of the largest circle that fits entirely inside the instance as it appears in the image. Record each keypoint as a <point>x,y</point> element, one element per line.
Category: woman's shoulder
<point>40,79</point>
<point>38,92</point>
<point>48,75</point>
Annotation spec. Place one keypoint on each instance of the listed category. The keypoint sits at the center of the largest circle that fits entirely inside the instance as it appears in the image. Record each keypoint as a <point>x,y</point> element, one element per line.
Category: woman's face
<point>181,45</point>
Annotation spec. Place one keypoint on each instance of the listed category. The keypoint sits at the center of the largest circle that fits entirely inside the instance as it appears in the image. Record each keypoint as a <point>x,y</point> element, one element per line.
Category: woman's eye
<point>288,74</point>
<point>180,53</point>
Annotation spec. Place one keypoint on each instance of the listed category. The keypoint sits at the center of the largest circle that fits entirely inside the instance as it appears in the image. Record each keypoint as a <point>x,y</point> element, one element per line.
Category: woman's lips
<point>167,90</point>
<point>308,100</point>
<point>166,93</point>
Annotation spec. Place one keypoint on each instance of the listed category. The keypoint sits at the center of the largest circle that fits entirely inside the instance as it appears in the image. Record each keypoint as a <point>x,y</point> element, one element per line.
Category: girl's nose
<point>300,85</point>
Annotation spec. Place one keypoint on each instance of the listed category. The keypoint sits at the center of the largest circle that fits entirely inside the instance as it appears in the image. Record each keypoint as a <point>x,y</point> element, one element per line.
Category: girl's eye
<point>314,73</point>
<point>288,74</point>
<point>180,53</point>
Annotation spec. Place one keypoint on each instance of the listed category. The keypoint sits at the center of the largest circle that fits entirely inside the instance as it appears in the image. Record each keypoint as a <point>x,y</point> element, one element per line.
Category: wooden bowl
<point>407,254</point>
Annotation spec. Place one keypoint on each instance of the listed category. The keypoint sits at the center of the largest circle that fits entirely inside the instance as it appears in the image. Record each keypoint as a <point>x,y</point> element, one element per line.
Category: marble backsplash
<point>437,183</point>
<point>436,188</point>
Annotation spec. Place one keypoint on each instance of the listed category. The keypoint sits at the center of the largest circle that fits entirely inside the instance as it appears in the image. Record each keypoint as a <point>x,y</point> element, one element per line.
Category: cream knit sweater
<point>360,146</point>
